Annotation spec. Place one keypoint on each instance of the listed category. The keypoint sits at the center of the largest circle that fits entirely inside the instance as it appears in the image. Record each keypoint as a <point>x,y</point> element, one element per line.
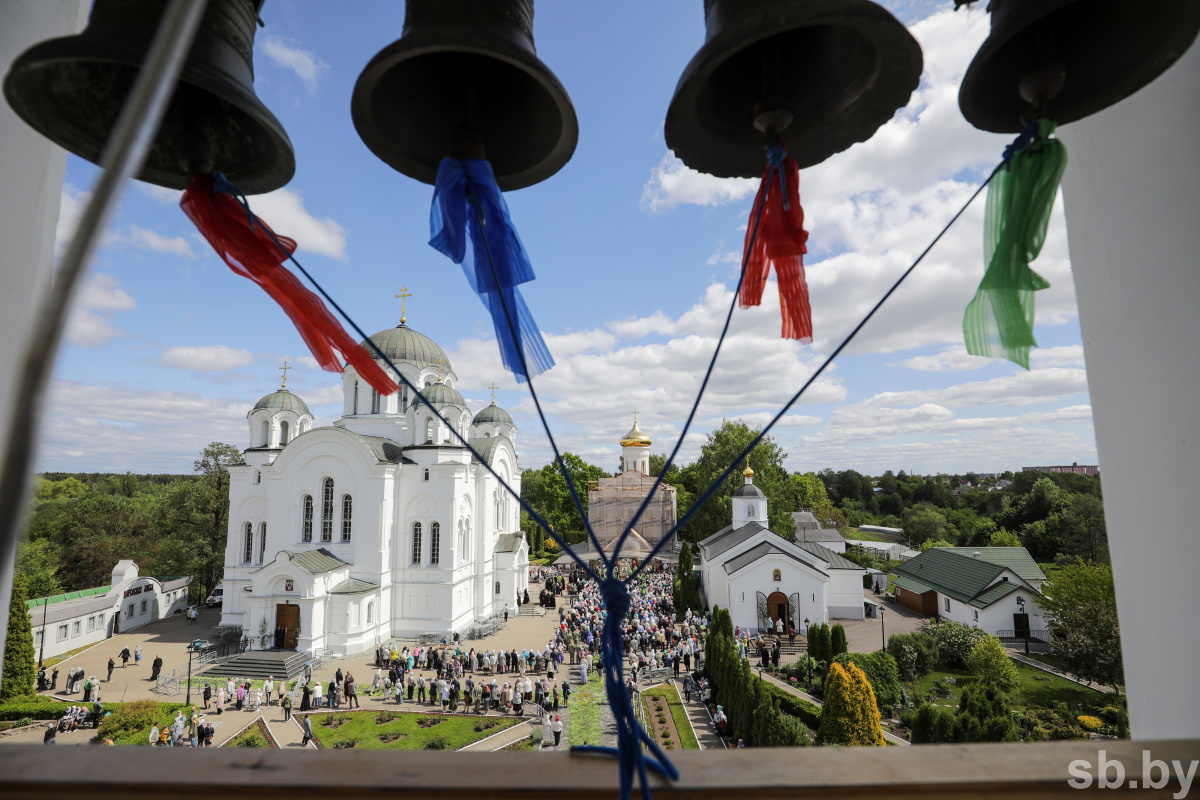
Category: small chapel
<point>756,573</point>
<point>380,525</point>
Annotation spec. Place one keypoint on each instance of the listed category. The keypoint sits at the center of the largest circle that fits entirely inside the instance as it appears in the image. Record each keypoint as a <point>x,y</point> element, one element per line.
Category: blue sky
<point>636,258</point>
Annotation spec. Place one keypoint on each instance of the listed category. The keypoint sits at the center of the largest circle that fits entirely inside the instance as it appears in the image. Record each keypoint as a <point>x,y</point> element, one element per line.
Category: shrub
<point>346,744</point>
<point>915,653</point>
<point>1047,724</point>
<point>440,742</point>
<point>955,641</point>
<point>991,665</point>
<point>129,723</point>
<point>1089,723</point>
<point>850,715</point>
<point>838,641</point>
<point>255,739</point>
<point>19,669</point>
<point>888,712</point>
<point>802,710</point>
<point>880,669</point>
<point>1111,714</point>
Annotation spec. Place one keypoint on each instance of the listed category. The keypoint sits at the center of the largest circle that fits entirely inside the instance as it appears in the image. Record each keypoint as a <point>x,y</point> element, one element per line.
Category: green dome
<point>281,400</point>
<point>494,414</point>
<point>402,343</point>
<point>439,395</point>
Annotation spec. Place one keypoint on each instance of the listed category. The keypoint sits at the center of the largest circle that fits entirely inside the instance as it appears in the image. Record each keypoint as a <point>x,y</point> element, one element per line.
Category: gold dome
<point>747,472</point>
<point>635,437</point>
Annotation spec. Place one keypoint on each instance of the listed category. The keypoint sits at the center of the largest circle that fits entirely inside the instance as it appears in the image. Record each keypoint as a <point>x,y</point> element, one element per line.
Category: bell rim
<point>987,116</point>
<point>438,40</point>
<point>31,66</point>
<point>873,22</point>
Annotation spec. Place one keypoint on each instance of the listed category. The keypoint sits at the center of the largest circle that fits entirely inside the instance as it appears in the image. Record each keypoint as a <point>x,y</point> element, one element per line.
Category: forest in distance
<point>81,524</point>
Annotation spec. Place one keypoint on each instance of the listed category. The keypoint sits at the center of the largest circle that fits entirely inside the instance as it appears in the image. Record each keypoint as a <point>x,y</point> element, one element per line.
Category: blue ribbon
<point>470,224</point>
<point>1023,140</point>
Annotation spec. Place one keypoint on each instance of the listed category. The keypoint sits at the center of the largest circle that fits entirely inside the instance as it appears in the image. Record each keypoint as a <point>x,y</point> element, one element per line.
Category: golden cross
<point>439,361</point>
<point>404,295</point>
<point>635,416</point>
<point>285,369</point>
<point>493,387</point>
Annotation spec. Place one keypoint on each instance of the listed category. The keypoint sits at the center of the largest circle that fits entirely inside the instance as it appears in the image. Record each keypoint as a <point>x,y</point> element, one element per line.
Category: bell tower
<point>749,502</point>
<point>635,450</point>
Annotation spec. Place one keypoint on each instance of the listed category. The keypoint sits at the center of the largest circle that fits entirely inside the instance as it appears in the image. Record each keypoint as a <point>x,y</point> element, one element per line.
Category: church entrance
<point>289,617</point>
<point>778,608</point>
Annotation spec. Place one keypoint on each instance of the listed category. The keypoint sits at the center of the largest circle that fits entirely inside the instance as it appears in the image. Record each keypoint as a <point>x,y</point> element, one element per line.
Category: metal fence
<point>1020,636</point>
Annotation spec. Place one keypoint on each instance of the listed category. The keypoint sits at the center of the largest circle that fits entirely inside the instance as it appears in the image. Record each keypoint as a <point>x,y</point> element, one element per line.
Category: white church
<point>755,572</point>
<point>379,525</point>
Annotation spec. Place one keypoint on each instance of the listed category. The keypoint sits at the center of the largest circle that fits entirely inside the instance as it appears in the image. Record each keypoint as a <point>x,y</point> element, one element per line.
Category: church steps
<point>259,665</point>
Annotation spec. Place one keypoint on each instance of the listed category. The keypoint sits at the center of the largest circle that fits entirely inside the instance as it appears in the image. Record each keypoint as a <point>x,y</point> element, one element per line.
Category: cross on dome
<point>285,369</point>
<point>404,295</point>
<point>493,387</point>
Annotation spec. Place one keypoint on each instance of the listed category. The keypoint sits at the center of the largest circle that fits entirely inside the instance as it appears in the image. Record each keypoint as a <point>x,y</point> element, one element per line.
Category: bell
<point>1098,52</point>
<point>465,71</point>
<point>819,74</point>
<point>72,89</point>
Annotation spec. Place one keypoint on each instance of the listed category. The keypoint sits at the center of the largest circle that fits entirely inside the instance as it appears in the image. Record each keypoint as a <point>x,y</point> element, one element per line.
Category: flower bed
<point>663,701</point>
<point>402,730</point>
<point>256,734</point>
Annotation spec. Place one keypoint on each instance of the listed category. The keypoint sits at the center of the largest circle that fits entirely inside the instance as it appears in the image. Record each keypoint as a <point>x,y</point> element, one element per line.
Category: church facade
<point>380,525</point>
<point>756,573</point>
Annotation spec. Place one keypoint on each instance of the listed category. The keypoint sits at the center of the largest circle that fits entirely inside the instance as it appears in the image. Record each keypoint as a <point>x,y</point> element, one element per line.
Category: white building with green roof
<point>381,525</point>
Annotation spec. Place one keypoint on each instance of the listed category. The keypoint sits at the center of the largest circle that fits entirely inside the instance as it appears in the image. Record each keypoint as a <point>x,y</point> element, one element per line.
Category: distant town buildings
<point>1076,467</point>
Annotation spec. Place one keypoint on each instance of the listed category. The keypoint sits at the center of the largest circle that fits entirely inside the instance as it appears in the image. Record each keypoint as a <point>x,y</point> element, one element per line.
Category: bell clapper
<point>771,118</point>
<point>466,143</point>
<point>194,153</point>
<point>1038,86</point>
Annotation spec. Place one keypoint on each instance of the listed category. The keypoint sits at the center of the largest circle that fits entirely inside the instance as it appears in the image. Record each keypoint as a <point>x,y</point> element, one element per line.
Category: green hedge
<point>808,713</point>
<point>882,674</point>
<point>43,708</point>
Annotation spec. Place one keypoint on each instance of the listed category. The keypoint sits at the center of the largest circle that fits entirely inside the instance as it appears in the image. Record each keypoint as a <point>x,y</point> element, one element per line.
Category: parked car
<point>217,595</point>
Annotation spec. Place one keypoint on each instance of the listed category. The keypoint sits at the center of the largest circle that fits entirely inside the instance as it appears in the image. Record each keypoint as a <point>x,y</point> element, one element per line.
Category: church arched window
<point>264,434</point>
<point>262,542</point>
<point>347,508</point>
<point>370,612</point>
<point>374,402</point>
<point>435,543</point>
<point>429,430</point>
<point>496,510</point>
<point>248,552</point>
<point>355,406</point>
<point>467,539</point>
<point>283,433</point>
<point>750,510</point>
<point>327,510</point>
<point>306,519</point>
<point>416,543</point>
<point>426,474</point>
<point>257,476</point>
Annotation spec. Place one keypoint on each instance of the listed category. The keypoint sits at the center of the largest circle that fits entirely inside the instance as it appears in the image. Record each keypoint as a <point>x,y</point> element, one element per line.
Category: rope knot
<point>775,156</point>
<point>616,598</point>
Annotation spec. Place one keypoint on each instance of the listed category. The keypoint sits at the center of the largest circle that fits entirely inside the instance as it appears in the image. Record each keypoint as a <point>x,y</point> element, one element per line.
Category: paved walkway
<point>803,696</point>
<point>706,732</point>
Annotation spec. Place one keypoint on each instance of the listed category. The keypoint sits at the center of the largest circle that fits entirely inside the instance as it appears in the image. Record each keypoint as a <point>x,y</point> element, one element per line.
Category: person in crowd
<point>155,667</point>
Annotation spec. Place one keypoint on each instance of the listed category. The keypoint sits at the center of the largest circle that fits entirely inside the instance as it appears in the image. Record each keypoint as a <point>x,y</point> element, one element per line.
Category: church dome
<point>403,344</point>
<point>493,414</point>
<point>439,395</point>
<point>282,400</point>
<point>635,438</point>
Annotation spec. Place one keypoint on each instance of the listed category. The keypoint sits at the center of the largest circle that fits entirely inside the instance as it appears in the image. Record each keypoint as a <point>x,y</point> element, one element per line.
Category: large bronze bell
<point>1073,57</point>
<point>71,90</point>
<point>819,74</point>
<point>462,72</point>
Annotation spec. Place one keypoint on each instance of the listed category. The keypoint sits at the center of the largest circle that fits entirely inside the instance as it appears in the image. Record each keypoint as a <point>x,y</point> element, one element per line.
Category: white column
<point>1133,220</point>
<point>31,177</point>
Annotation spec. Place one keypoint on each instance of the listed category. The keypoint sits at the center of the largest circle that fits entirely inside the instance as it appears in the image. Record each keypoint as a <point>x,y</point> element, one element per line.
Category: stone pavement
<point>167,638</point>
<point>866,635</point>
<point>706,732</point>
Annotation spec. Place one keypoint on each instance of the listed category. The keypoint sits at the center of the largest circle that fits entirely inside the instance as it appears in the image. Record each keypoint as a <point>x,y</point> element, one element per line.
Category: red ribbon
<point>780,240</point>
<point>251,253</point>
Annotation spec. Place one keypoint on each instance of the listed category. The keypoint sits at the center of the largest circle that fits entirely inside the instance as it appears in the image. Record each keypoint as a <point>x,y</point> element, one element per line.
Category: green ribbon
<point>999,320</point>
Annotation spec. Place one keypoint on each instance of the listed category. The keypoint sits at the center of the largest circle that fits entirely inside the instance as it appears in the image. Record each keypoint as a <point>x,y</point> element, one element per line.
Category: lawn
<point>394,730</point>
<point>1037,688</point>
<point>586,700</point>
<point>687,739</point>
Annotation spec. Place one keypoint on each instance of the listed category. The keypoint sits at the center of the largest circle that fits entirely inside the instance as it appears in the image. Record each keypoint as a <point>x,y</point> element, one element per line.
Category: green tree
<point>1081,604</point>
<point>197,511</point>
<point>718,452</point>
<point>826,637</point>
<point>37,563</point>
<point>1003,538</point>
<point>924,522</point>
<point>20,659</point>
<point>546,490</point>
<point>849,716</point>
<point>838,644</point>
<point>990,664</point>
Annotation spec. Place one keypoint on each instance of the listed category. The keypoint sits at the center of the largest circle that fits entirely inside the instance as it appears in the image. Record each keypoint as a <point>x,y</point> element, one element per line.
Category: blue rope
<point>703,384</point>
<point>473,199</point>
<point>1024,139</point>
<point>716,484</point>
<point>220,183</point>
<point>775,156</point>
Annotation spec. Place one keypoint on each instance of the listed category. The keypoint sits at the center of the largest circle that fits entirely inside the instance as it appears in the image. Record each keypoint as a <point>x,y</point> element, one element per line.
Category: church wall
<point>758,577</point>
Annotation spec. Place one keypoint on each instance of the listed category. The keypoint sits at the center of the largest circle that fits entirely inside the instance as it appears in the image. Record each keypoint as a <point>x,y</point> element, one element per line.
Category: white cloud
<point>1023,388</point>
<point>145,239</point>
<point>284,211</point>
<point>957,359</point>
<point>90,322</point>
<point>289,55</point>
<point>672,183</point>
<point>208,358</point>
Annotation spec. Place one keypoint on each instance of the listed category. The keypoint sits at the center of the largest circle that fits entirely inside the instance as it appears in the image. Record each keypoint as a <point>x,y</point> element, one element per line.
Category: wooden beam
<point>1008,771</point>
